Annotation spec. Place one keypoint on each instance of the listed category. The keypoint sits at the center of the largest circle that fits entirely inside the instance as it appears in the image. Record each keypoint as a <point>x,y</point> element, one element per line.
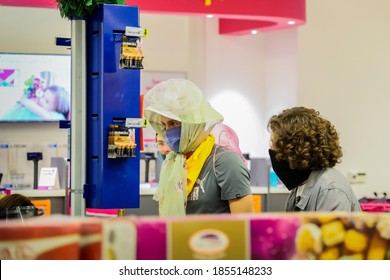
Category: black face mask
<point>291,178</point>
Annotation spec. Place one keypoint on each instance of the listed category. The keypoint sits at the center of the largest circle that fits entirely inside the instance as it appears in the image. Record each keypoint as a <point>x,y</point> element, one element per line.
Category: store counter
<point>149,189</point>
<point>271,200</point>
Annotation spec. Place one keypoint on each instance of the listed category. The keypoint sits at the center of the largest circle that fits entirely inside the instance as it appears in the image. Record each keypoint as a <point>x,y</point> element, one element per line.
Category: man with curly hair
<point>304,150</point>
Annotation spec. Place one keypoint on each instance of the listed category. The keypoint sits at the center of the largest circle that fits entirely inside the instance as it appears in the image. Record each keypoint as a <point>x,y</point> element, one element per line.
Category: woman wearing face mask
<point>304,150</point>
<point>198,177</point>
<point>162,148</point>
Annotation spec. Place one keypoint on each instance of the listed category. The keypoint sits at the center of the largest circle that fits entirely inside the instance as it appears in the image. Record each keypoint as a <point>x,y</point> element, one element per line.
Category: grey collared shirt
<point>325,190</point>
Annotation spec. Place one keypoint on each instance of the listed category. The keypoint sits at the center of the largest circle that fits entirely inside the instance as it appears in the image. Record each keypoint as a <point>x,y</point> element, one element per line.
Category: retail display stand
<point>113,97</point>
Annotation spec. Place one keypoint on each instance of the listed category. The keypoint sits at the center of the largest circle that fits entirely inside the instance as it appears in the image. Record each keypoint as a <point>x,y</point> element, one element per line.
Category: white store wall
<point>343,71</point>
<point>337,66</point>
<point>242,77</point>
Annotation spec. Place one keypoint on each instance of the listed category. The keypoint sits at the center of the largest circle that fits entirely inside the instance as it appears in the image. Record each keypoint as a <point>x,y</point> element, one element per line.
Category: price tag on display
<point>136,122</point>
<point>136,31</point>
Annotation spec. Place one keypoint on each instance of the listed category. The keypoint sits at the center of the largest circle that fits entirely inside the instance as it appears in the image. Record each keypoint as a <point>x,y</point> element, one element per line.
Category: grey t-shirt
<point>223,177</point>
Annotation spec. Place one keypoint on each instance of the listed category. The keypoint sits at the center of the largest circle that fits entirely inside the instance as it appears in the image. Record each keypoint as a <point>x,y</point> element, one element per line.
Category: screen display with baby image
<point>34,87</point>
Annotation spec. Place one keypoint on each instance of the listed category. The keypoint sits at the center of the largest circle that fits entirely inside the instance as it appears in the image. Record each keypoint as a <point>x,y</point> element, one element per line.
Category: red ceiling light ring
<point>240,27</point>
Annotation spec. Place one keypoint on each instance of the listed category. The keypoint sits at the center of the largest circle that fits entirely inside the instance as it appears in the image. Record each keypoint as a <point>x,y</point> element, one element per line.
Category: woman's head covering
<point>181,100</point>
<point>227,137</point>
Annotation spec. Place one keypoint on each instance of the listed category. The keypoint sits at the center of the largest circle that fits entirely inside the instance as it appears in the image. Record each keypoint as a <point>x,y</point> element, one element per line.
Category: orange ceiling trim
<point>236,17</point>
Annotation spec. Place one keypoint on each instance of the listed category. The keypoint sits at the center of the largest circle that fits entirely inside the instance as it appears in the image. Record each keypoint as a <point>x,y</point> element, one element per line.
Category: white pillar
<point>78,119</point>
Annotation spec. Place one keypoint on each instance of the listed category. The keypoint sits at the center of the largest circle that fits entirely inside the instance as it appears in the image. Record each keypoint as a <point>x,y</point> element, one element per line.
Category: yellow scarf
<point>196,161</point>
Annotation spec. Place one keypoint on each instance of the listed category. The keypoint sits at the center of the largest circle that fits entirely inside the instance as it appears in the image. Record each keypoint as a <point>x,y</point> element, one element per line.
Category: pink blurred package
<point>151,238</point>
<point>273,236</point>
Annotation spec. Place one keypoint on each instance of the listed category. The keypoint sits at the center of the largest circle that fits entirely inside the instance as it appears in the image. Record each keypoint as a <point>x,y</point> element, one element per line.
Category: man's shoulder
<point>222,153</point>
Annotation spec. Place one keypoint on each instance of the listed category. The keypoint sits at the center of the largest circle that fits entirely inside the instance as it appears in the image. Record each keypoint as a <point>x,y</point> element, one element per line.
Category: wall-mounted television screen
<point>34,87</point>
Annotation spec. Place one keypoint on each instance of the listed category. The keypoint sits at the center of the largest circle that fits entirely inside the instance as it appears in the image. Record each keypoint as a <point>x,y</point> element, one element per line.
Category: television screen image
<point>34,87</point>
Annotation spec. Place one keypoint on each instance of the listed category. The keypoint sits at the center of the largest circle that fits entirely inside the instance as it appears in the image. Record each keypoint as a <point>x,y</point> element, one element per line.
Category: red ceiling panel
<point>236,16</point>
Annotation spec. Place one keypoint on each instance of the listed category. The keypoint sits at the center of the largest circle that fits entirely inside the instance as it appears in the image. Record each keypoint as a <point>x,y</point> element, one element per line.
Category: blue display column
<point>113,94</point>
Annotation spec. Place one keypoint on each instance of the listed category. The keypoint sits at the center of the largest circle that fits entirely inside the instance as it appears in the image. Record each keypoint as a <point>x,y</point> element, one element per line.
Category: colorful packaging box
<point>340,236</point>
<point>151,238</point>
<point>119,241</point>
<point>272,237</point>
<point>200,237</point>
<point>91,232</point>
<point>40,239</point>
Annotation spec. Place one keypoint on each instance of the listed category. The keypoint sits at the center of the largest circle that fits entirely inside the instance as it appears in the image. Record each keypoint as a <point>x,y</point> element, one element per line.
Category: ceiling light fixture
<point>291,22</point>
<point>209,16</point>
<point>254,32</point>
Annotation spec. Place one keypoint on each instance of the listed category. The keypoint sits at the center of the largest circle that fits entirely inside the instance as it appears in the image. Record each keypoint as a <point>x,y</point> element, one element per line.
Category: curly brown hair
<point>305,139</point>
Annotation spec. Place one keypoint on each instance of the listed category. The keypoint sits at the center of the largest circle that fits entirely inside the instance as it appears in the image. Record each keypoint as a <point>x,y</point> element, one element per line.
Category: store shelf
<point>41,193</point>
<point>57,198</point>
